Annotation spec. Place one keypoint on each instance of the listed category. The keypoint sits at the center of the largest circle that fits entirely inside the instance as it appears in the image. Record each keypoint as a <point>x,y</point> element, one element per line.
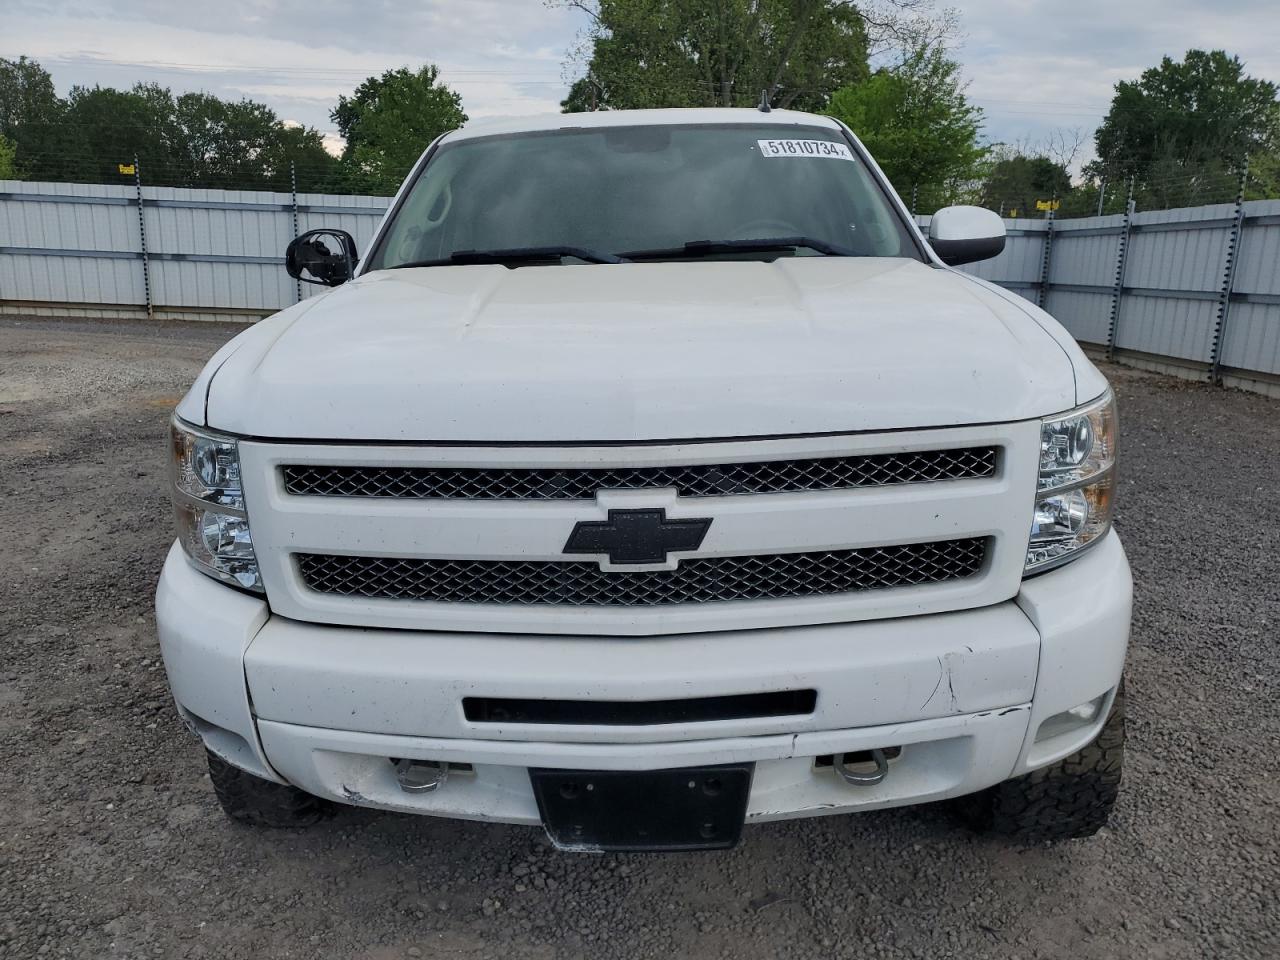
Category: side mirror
<point>965,234</point>
<point>329,256</point>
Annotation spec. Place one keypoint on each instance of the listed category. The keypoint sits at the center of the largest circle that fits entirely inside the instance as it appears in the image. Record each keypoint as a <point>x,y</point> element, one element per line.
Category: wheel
<point>1068,800</point>
<point>251,799</point>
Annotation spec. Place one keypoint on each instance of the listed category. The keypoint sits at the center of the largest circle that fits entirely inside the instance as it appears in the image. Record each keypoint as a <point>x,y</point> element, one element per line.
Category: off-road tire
<point>250,799</point>
<point>1067,800</point>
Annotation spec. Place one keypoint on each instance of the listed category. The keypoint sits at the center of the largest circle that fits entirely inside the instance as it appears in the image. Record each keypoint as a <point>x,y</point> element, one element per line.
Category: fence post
<point>1042,292</point>
<point>1228,282</point>
<point>293,191</point>
<point>142,236</point>
<point>1117,289</point>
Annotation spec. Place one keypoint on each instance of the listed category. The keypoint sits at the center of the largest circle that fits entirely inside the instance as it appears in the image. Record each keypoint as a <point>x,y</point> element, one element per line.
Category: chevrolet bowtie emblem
<point>637,536</point>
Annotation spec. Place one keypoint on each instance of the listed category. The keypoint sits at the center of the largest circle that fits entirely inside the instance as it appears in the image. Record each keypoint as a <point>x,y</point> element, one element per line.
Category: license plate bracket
<point>689,808</point>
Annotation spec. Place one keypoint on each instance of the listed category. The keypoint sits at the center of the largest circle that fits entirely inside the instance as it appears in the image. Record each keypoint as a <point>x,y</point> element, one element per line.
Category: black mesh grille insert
<point>701,580</point>
<point>738,706</point>
<point>703,480</point>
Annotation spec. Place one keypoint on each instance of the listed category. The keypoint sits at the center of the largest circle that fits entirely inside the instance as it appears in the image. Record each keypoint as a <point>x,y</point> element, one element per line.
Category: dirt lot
<point>111,844</point>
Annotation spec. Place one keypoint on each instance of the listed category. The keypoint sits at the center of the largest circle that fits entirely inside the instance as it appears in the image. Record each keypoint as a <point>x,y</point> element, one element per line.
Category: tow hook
<point>862,778</point>
<point>421,776</point>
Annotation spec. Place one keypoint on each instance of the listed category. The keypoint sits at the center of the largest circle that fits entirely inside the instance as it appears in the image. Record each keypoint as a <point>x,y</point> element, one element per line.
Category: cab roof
<point>621,118</point>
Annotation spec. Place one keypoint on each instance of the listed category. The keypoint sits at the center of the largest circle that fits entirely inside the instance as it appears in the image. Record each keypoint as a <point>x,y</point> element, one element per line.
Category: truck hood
<point>644,351</point>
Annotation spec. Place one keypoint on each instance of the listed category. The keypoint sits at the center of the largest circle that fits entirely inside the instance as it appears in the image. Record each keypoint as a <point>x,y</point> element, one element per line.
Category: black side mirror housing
<point>328,256</point>
<point>955,252</point>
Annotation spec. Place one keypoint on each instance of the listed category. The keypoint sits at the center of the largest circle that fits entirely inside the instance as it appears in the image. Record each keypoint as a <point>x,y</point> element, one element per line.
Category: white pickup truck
<point>651,475</point>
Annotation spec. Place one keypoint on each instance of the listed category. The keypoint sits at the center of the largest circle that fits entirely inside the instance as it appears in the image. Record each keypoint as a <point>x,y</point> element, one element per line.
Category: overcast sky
<point>1032,65</point>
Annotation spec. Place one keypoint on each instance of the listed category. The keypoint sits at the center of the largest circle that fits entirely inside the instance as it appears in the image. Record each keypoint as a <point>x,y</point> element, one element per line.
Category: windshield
<point>613,190</point>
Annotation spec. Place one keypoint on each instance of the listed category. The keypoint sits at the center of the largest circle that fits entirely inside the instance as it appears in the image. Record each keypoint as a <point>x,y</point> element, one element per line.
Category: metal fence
<point>1192,291</point>
<point>169,252</point>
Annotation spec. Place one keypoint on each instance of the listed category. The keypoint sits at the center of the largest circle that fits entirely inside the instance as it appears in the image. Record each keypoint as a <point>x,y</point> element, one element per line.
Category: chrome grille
<point>700,580</point>
<point>701,480</point>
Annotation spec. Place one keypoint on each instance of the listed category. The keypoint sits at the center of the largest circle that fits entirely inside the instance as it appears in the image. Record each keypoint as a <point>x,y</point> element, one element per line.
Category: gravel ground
<point>111,844</point>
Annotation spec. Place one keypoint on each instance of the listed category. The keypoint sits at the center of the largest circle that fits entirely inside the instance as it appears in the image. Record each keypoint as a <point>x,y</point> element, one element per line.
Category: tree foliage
<point>1194,113</point>
<point>30,111</point>
<point>704,53</point>
<point>198,139</point>
<point>1015,181</point>
<point>195,139</point>
<point>389,120</point>
<point>918,124</point>
<point>1264,176</point>
<point>114,126</point>
<point>235,141</point>
<point>8,169</point>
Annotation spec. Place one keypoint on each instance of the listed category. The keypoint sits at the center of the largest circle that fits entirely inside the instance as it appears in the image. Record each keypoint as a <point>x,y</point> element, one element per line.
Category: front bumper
<point>963,694</point>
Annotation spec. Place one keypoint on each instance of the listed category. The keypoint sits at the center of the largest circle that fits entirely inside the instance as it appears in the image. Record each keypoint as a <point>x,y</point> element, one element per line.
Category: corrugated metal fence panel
<point>359,216</point>
<point>207,224</point>
<point>1252,340</point>
<point>1084,255</point>
<point>1259,268</point>
<point>1189,259</point>
<point>1166,326</point>
<point>1018,266</point>
<point>83,226</point>
<point>1179,259</point>
<point>1086,315</point>
<point>71,279</point>
<point>111,228</point>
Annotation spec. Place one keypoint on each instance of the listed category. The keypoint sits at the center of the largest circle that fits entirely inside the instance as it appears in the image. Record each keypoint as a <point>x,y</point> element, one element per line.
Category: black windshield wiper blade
<point>513,255</point>
<point>702,248</point>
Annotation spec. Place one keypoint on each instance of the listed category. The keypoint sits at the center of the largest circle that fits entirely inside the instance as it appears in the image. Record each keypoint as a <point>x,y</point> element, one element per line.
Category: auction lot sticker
<point>805,148</point>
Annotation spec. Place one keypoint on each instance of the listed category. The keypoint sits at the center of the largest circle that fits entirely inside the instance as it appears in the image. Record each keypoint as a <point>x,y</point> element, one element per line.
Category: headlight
<point>208,503</point>
<point>1076,486</point>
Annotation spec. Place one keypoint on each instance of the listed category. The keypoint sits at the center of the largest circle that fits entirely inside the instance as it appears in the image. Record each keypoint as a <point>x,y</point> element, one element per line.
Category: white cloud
<point>1036,65</point>
<point>503,56</point>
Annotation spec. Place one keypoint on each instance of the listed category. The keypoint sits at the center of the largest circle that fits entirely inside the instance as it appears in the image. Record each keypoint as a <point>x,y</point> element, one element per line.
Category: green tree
<point>918,124</point>
<point>1264,176</point>
<point>31,115</point>
<point>1015,181</point>
<point>704,53</point>
<point>243,143</point>
<point>27,96</point>
<point>389,120</point>
<point>1199,112</point>
<point>8,155</point>
<point>194,140</point>
<point>113,126</point>
<point>318,171</point>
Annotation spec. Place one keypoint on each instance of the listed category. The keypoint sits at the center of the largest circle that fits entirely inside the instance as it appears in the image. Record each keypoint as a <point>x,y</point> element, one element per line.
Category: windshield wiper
<point>516,255</point>
<point>702,248</point>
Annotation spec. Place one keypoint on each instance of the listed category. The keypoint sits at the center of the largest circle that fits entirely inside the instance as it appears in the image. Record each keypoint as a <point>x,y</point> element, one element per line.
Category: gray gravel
<point>111,844</point>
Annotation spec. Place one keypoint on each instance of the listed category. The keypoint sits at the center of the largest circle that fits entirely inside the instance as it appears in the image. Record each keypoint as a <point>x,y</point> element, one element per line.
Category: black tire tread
<point>249,799</point>
<point>1068,800</point>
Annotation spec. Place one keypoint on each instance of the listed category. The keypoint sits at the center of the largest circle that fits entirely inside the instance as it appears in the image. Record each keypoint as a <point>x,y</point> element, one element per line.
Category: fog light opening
<point>1069,721</point>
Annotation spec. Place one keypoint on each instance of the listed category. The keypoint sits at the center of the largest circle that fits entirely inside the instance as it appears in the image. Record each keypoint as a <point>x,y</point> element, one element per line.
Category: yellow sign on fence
<point>1048,204</point>
<point>127,169</point>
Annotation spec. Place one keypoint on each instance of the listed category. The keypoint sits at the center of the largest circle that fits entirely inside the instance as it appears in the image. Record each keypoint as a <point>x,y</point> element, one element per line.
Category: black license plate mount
<point>689,808</point>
